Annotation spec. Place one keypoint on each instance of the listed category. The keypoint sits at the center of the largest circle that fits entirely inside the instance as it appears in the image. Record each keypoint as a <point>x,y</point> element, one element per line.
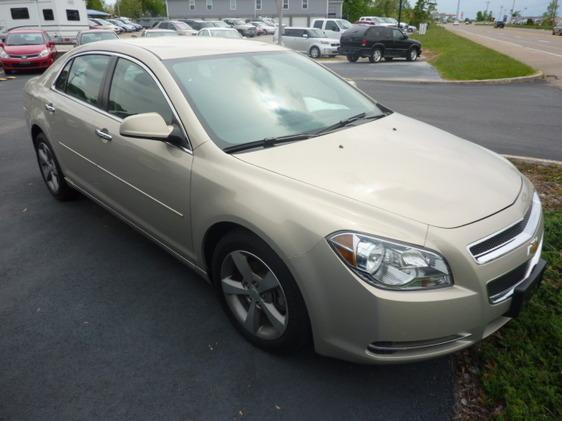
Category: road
<point>537,48</point>
<point>395,70</point>
<point>99,323</point>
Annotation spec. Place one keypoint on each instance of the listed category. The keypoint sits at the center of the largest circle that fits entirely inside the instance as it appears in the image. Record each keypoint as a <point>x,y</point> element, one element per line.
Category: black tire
<point>314,52</point>
<point>297,330</point>
<point>352,59</point>
<point>376,55</point>
<point>413,54</point>
<point>63,191</point>
<point>8,72</point>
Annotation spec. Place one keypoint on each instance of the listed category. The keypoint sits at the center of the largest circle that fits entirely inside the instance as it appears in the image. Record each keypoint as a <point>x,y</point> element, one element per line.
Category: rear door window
<point>318,24</point>
<point>86,77</point>
<point>332,26</point>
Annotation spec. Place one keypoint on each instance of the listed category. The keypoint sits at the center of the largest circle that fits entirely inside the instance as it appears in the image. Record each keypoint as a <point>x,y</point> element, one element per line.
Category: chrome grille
<point>24,56</point>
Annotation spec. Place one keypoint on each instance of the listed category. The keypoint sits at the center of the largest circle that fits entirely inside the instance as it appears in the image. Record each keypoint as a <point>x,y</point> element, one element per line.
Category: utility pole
<point>280,27</point>
<point>399,14</point>
<point>486,12</point>
<point>512,11</point>
<point>458,9</point>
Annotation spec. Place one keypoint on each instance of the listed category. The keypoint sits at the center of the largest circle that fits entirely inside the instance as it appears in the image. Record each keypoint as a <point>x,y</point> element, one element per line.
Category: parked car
<point>374,21</point>
<point>154,33</point>
<point>557,30</point>
<point>263,28</point>
<point>125,26</point>
<point>137,26</point>
<point>333,28</point>
<point>311,41</point>
<point>149,22</point>
<point>316,212</point>
<point>499,24</point>
<point>214,32</point>
<point>26,49</point>
<point>181,28</point>
<point>85,37</point>
<point>219,24</point>
<point>378,42</point>
<point>104,24</point>
<point>197,24</point>
<point>244,28</point>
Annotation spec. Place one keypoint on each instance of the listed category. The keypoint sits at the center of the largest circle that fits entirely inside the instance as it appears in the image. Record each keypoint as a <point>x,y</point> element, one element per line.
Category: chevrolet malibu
<point>316,212</point>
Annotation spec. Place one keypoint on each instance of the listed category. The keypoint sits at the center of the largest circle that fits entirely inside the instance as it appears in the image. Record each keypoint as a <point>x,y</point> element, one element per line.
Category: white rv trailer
<point>61,19</point>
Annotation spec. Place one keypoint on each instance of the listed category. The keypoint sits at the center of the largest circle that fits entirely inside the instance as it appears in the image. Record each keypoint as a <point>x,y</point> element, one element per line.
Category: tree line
<point>131,8</point>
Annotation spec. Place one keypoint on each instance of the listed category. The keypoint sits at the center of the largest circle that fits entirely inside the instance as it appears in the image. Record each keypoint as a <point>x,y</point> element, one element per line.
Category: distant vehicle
<point>499,24</point>
<point>244,28</point>
<point>126,27</point>
<point>333,28</point>
<point>107,25</point>
<point>378,42</point>
<point>265,28</point>
<point>456,22</point>
<point>155,33</point>
<point>130,22</point>
<point>26,49</point>
<point>85,37</point>
<point>61,19</point>
<point>467,21</point>
<point>377,20</point>
<point>557,30</point>
<point>181,28</point>
<point>219,33</point>
<point>197,24</point>
<point>149,22</point>
<point>311,41</point>
<point>219,24</point>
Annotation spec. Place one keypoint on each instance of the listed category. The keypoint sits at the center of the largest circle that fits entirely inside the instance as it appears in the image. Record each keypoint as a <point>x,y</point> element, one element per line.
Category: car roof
<point>26,31</point>
<point>183,47</point>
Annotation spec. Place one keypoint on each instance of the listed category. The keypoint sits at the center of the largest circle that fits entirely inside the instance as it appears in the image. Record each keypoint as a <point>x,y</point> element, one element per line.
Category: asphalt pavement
<point>390,70</point>
<point>96,322</point>
<point>535,47</point>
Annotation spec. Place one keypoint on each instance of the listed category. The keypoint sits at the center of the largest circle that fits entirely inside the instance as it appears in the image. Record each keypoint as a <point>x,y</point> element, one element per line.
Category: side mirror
<point>145,126</point>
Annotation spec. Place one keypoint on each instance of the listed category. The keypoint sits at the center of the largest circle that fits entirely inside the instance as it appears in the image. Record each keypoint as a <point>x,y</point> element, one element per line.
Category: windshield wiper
<point>267,142</point>
<point>348,121</point>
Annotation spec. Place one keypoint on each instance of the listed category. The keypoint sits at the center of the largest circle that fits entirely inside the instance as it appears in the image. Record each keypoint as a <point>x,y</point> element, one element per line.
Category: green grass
<point>458,58</point>
<point>521,365</point>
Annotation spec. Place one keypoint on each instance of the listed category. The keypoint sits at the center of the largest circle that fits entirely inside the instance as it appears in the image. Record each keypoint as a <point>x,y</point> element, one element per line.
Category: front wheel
<point>376,55</point>
<point>413,54</point>
<point>352,59</point>
<point>259,293</point>
<point>314,52</point>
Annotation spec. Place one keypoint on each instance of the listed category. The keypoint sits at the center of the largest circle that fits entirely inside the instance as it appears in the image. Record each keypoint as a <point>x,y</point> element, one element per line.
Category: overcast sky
<point>470,7</point>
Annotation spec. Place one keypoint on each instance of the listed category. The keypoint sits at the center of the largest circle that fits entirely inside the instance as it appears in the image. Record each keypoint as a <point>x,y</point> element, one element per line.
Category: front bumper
<point>355,321</point>
<point>27,64</point>
<point>329,50</point>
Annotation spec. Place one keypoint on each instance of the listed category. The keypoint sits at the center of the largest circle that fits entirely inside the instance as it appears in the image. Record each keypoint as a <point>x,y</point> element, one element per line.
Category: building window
<point>209,4</point>
<point>72,14</point>
<point>258,4</point>
<point>305,4</point>
<point>191,4</point>
<point>48,14</point>
<point>285,4</point>
<point>20,13</point>
<point>233,5</point>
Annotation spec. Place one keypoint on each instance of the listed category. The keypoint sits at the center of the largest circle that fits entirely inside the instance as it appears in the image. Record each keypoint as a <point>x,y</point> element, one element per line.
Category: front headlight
<point>391,265</point>
<point>44,53</point>
<point>4,54</point>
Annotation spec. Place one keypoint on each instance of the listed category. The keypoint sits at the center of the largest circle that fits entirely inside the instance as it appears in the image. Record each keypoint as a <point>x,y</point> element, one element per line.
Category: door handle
<point>104,135</point>
<point>49,107</point>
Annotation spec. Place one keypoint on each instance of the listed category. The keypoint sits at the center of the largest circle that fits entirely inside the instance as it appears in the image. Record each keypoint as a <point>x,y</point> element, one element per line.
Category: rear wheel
<point>50,170</point>
<point>376,55</point>
<point>259,293</point>
<point>314,52</point>
<point>413,54</point>
<point>352,59</point>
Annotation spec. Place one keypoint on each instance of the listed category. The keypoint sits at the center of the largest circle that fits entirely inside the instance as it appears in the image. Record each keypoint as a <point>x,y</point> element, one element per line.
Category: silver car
<point>318,214</point>
<point>557,30</point>
<point>311,41</point>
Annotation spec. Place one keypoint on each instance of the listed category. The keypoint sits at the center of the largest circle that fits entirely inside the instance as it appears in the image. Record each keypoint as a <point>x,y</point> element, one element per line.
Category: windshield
<point>102,22</point>
<point>344,24</point>
<point>241,98</point>
<point>316,33</point>
<point>220,24</point>
<point>225,33</point>
<point>183,25</point>
<point>25,39</point>
<point>154,34</point>
<point>97,36</point>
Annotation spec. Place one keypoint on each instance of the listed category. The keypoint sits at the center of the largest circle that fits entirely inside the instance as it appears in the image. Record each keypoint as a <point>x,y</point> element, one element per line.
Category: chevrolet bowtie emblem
<point>533,246</point>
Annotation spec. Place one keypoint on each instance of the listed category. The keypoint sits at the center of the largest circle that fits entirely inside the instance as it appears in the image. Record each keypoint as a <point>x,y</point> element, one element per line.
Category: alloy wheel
<point>254,295</point>
<point>48,167</point>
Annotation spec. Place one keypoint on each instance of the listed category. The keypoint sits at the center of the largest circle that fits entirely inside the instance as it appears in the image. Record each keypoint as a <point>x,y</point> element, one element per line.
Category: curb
<point>510,80</point>
<point>531,159</point>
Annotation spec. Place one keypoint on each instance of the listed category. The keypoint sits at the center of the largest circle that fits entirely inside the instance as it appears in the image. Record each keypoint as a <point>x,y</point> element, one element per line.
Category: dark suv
<point>378,42</point>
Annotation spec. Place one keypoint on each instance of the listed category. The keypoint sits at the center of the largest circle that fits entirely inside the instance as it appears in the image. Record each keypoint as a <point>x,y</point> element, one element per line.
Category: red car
<point>26,49</point>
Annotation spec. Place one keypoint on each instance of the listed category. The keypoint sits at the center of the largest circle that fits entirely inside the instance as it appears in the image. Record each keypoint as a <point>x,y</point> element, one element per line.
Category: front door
<point>332,30</point>
<point>400,43</point>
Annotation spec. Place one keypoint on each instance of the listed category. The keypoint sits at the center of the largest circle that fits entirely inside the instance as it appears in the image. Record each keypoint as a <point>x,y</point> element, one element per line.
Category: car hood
<point>402,166</point>
<point>24,49</point>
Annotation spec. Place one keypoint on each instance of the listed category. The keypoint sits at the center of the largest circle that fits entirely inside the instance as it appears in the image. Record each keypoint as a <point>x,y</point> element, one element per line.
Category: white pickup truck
<point>333,28</point>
